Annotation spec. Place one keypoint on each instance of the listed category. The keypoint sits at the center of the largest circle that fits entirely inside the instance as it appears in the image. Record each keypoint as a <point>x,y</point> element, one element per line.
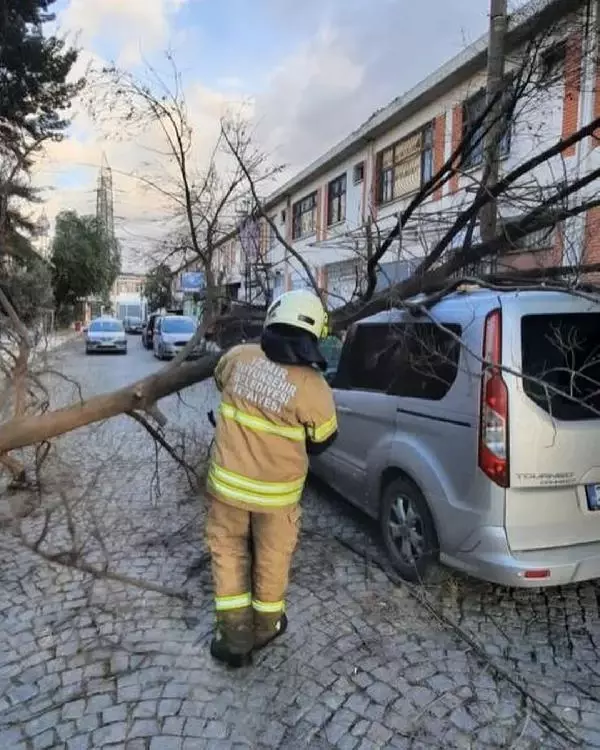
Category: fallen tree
<point>431,275</point>
<point>139,397</point>
<point>540,206</point>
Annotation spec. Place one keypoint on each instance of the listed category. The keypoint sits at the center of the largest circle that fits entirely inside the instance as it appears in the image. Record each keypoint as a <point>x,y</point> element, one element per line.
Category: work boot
<point>268,627</point>
<point>233,640</point>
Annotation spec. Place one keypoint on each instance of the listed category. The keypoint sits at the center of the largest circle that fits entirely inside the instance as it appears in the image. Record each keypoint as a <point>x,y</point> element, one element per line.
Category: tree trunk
<point>495,121</point>
<point>141,396</point>
<point>211,301</point>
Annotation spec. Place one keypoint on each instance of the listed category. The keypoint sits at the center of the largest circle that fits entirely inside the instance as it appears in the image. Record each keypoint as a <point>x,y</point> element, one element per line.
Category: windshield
<point>113,326</point>
<point>178,325</point>
<point>134,321</point>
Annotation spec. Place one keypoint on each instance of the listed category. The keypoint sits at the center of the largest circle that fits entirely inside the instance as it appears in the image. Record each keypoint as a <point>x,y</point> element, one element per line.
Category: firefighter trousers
<point>251,555</point>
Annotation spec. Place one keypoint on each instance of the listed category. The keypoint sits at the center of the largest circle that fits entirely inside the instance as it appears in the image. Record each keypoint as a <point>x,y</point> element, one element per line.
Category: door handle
<point>344,410</point>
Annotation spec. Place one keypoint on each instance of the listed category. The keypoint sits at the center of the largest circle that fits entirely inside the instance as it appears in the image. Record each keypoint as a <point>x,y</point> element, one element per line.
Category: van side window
<point>412,360</point>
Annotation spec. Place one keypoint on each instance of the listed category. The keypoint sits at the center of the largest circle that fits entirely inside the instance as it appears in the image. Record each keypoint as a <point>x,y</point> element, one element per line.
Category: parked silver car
<point>105,335</point>
<point>492,469</point>
<point>171,334</point>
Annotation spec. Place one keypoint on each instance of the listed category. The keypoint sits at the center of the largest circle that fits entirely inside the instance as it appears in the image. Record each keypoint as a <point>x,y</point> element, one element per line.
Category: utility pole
<point>495,120</point>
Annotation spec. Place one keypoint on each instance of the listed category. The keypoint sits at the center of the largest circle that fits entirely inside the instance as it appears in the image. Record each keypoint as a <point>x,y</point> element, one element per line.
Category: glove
<point>211,418</point>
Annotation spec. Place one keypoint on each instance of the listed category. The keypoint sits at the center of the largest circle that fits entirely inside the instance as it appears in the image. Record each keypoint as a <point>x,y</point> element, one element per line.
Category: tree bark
<point>141,396</point>
<point>495,120</point>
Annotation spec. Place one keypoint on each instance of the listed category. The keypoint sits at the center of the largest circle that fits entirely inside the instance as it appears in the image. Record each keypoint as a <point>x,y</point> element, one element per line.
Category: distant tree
<point>157,287</point>
<point>84,260</point>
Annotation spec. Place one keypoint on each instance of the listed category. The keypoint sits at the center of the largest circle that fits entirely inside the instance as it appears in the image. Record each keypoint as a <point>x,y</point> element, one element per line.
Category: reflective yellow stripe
<point>225,603</point>
<point>268,607</point>
<point>247,496</point>
<point>326,430</point>
<point>267,488</point>
<point>259,424</point>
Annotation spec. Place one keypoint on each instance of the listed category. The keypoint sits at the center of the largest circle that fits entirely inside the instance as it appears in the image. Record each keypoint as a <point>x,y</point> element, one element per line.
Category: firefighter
<point>276,408</point>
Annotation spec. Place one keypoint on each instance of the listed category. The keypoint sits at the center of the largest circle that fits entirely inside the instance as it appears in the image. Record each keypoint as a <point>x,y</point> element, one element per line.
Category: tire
<point>408,530</point>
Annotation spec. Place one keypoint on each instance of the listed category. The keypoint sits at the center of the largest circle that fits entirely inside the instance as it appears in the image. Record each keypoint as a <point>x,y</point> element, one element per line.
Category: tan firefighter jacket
<point>268,411</point>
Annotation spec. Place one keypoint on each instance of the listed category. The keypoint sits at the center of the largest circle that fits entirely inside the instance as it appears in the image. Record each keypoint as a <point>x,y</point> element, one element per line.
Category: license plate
<point>593,496</point>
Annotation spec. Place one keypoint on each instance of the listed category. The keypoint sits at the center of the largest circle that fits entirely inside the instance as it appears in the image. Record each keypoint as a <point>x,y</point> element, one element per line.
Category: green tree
<point>157,287</point>
<point>34,91</point>
<point>28,286</point>
<point>34,98</point>
<point>84,260</point>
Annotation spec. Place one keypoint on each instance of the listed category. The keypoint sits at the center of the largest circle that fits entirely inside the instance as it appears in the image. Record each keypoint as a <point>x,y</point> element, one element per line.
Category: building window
<point>427,154</point>
<point>542,239</point>
<point>358,173</point>
<point>336,200</point>
<point>304,214</point>
<point>552,63</point>
<point>406,165</point>
<point>345,281</point>
<point>473,110</point>
<point>272,234</point>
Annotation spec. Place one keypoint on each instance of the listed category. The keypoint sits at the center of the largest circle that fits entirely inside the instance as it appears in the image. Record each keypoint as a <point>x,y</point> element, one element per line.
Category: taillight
<point>493,425</point>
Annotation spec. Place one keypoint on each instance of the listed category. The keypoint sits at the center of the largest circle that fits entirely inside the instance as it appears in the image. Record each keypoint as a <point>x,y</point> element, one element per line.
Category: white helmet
<point>300,309</point>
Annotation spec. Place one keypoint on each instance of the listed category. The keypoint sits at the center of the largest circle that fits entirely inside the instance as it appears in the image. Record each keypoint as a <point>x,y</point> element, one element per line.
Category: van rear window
<point>561,363</point>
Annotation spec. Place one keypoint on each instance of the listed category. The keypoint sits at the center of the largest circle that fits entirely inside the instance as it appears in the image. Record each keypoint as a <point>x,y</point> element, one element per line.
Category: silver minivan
<point>171,334</point>
<point>470,428</point>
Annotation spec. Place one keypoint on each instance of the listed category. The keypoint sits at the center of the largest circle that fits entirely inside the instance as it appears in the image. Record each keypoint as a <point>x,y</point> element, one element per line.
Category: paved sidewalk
<point>91,665</point>
<point>88,664</point>
<point>55,340</point>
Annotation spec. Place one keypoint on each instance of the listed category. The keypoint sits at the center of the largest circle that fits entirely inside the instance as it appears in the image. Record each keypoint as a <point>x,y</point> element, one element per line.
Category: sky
<point>308,73</point>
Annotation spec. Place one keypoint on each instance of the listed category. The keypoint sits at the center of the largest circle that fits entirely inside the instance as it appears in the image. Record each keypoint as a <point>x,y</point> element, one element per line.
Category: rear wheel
<point>408,530</point>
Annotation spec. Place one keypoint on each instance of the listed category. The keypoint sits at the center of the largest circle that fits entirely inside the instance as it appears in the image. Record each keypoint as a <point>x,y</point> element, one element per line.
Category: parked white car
<point>105,335</point>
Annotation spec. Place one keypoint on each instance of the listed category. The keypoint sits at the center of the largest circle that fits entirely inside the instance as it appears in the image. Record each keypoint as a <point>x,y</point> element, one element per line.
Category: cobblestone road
<point>88,663</point>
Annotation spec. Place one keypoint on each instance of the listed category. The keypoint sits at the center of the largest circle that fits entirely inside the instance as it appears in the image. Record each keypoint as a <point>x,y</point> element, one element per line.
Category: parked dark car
<point>148,330</point>
<point>133,325</point>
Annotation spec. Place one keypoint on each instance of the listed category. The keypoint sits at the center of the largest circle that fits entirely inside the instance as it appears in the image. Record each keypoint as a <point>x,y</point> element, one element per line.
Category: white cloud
<point>137,27</point>
<point>363,55</point>
<point>350,58</point>
<point>296,114</point>
<point>137,157</point>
